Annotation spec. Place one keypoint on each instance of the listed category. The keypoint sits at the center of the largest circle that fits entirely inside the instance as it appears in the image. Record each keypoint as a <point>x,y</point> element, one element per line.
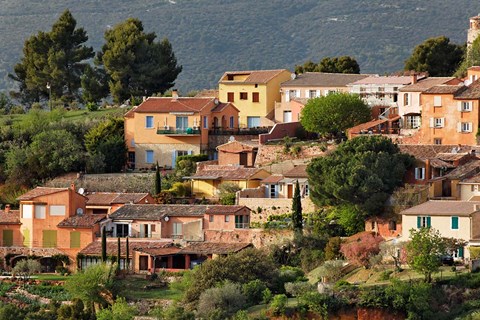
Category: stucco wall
<point>163,153</point>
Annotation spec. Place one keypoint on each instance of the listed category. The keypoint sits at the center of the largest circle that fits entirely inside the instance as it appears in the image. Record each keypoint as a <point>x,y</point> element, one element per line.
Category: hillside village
<point>247,133</point>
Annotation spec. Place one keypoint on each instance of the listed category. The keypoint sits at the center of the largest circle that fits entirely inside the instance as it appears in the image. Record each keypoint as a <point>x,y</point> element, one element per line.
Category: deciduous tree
<point>437,56</point>
<point>359,250</point>
<point>331,115</point>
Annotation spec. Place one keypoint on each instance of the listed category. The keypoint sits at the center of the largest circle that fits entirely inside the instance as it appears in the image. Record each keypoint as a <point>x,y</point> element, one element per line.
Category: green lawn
<point>133,288</point>
<point>49,277</point>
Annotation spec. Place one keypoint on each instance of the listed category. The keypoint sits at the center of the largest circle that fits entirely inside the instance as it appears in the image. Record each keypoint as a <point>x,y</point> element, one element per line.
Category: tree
<point>437,56</point>
<point>120,310</point>
<point>127,255</point>
<point>94,82</point>
<point>135,63</point>
<point>331,270</point>
<point>158,180</point>
<point>104,244</point>
<point>343,64</point>
<point>359,250</point>
<point>56,58</point>
<point>221,302</point>
<point>93,285</point>
<point>118,253</point>
<point>472,58</point>
<point>362,172</point>
<point>332,249</point>
<point>297,219</point>
<point>227,193</point>
<point>331,115</point>
<point>424,251</point>
<point>393,249</point>
<point>26,268</point>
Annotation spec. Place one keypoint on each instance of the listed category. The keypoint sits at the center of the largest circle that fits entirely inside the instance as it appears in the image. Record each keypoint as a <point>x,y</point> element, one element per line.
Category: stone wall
<point>262,208</point>
<point>258,237</point>
<point>268,154</point>
<point>252,193</point>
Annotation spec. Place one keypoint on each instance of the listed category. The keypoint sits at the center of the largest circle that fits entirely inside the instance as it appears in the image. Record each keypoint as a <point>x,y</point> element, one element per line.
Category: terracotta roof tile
<point>168,104</point>
<point>320,79</point>
<point>214,248</point>
<point>299,171</point>
<point>222,106</point>
<point>437,163</point>
<point>155,212</point>
<point>443,208</point>
<point>81,221</point>
<point>213,172</point>
<point>207,93</point>
<point>24,251</point>
<point>38,192</point>
<point>445,89</point>
<point>275,178</point>
<point>426,151</point>
<point>384,80</point>
<point>11,217</point>
<point>254,76</point>
<point>427,83</point>
<point>463,171</point>
<point>109,198</point>
<point>472,91</point>
<point>95,248</point>
<point>224,209</point>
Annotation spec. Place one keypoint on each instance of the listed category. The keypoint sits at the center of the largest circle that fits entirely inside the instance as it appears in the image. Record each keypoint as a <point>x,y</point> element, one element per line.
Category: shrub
<point>331,270</point>
<point>92,106</point>
<point>221,302</point>
<point>253,291</point>
<point>385,275</point>
<point>278,304</point>
<point>267,296</point>
<point>332,249</point>
<point>474,251</point>
<point>360,250</point>
<point>295,289</point>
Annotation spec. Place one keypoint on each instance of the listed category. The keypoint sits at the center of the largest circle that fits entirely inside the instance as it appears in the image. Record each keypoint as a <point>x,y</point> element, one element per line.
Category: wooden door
<point>290,191</point>
<point>143,263</point>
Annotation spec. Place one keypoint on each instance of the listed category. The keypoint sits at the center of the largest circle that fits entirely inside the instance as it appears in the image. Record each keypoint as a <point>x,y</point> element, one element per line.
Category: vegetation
<point>331,115</point>
<point>472,58</point>
<point>26,268</point>
<point>361,249</point>
<point>297,218</point>
<point>227,193</point>
<point>437,56</point>
<point>343,64</point>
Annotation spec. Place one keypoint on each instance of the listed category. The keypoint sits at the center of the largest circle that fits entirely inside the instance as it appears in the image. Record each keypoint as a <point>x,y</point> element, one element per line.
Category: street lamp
<point>49,87</point>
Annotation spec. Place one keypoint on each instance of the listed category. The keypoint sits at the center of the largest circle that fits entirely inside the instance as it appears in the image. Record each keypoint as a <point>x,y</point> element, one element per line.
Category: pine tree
<point>297,219</point>
<point>104,245</point>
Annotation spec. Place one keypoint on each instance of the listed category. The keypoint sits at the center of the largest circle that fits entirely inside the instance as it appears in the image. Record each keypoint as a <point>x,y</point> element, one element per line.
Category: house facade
<point>162,129</point>
<point>254,93</point>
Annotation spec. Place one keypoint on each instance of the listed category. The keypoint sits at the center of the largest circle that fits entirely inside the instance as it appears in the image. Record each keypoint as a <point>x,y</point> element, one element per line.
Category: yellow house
<point>208,178</point>
<point>254,93</point>
<point>161,129</point>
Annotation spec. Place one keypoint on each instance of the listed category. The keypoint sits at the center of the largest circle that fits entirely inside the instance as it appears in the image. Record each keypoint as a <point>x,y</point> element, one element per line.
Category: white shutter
<point>416,173</point>
<point>442,122</point>
<point>437,101</point>
<point>423,173</point>
<point>459,127</point>
<point>318,93</point>
<point>297,95</point>
<point>459,106</point>
<point>307,94</point>
<point>287,95</point>
<point>432,122</point>
<point>470,127</point>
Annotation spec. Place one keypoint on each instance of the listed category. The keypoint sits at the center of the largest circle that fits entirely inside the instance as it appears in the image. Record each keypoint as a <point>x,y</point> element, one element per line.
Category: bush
<point>172,312</point>
<point>474,251</point>
<point>267,296</point>
<point>278,304</point>
<point>295,289</point>
<point>332,250</point>
<point>253,291</point>
<point>228,199</point>
<point>318,303</point>
<point>92,106</point>
<point>385,275</point>
<point>62,270</point>
<point>221,302</point>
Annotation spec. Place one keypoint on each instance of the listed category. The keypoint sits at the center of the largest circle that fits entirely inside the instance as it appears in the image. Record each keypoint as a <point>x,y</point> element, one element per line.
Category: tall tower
<point>474,30</point>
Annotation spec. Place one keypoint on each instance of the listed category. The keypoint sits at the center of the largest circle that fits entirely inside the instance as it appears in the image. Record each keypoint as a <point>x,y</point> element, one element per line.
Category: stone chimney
<point>414,78</point>
<point>174,94</point>
<point>7,208</point>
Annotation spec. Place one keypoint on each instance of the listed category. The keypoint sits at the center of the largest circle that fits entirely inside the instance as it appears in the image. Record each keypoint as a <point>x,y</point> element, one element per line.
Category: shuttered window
<point>75,239</point>
<point>455,223</point>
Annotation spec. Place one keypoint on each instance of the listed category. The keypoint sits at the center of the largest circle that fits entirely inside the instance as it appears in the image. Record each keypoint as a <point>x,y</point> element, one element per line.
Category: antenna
<point>293,76</point>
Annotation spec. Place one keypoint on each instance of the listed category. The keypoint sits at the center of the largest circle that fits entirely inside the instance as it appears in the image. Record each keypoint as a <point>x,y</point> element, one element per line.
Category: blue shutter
<point>429,220</point>
<point>455,223</point>
<point>419,222</point>
<point>460,252</point>
<point>174,158</point>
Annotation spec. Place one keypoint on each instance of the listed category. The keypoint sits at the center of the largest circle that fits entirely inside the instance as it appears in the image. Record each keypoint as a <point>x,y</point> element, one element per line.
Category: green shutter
<point>455,223</point>
<point>429,220</point>
<point>7,238</point>
<point>26,237</point>
<point>419,222</point>
<point>75,239</point>
<point>460,252</point>
<point>49,238</point>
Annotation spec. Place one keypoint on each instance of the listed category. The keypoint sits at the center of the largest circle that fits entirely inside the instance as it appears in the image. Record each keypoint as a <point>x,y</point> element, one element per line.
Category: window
<point>243,96</point>
<point>405,99</point>
<point>253,122</point>
<point>149,122</point>
<point>57,210</point>
<point>454,223</point>
<point>227,218</point>
<point>464,127</point>
<point>7,238</point>
<point>255,97</point>
<point>205,122</point>
<point>307,190</point>
<point>273,191</point>
<point>182,123</point>
<point>312,94</point>
<point>241,222</point>
<point>40,211</point>
<point>232,122</point>
<point>437,101</point>
<point>230,97</point>
<point>392,225</point>
<point>412,122</point>
<point>458,253</point>
<point>149,156</point>
<point>423,222</point>
<point>177,229</point>
<point>75,239</point>
<point>437,140</point>
<point>465,106</point>
<point>437,122</point>
<point>420,173</point>
<point>182,153</point>
<point>293,94</point>
<point>287,116</point>
<point>27,211</point>
<point>122,229</point>
<point>210,218</point>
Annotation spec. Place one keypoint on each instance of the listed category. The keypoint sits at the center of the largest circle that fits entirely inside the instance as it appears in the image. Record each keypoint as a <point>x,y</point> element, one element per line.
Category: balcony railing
<point>238,131</point>
<point>131,235</point>
<point>182,131</point>
<point>240,225</point>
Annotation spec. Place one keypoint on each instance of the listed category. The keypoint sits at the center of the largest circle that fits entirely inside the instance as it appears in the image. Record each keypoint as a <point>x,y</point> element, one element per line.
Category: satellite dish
<point>231,139</point>
<point>81,191</point>
<point>79,211</point>
<point>166,218</point>
<point>293,76</point>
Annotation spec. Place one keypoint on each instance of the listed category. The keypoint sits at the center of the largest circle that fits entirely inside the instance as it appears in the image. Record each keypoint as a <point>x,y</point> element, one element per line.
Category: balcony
<point>240,225</point>
<point>220,131</point>
<point>140,235</point>
<point>179,131</point>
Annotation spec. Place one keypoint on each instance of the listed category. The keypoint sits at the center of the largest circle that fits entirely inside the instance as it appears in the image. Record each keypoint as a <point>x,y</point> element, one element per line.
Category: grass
<point>51,292</point>
<point>49,277</point>
<point>257,310</point>
<point>133,288</point>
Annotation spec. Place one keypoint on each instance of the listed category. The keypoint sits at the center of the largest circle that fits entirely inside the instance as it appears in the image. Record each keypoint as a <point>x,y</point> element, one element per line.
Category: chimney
<point>144,98</point>
<point>7,208</point>
<point>174,94</point>
<point>414,78</point>
<point>72,186</point>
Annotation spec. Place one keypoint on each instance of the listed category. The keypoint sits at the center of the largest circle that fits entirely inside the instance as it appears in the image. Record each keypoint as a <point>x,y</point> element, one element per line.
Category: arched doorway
<point>49,264</point>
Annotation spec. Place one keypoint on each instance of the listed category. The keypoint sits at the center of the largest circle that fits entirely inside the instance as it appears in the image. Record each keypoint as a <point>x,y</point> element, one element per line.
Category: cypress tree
<point>297,219</point>
<point>158,181</point>
<point>127,253</point>
<point>104,245</point>
<point>118,253</point>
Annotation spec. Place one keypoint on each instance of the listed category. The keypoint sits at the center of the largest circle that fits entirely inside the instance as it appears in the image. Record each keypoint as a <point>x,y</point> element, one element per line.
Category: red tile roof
<point>272,179</point>
<point>11,217</point>
<point>472,91</point>
<point>445,89</point>
<point>38,192</point>
<point>156,212</point>
<point>299,171</point>
<point>180,104</point>
<point>443,208</point>
<point>95,248</point>
<point>222,106</point>
<point>214,248</point>
<point>109,198</point>
<point>223,209</point>
<point>81,221</point>
<point>426,83</point>
<point>214,172</point>
<point>384,80</point>
<point>254,76</point>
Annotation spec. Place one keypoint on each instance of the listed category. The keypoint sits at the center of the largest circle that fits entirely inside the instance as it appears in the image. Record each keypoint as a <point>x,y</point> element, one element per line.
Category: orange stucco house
<point>161,129</point>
